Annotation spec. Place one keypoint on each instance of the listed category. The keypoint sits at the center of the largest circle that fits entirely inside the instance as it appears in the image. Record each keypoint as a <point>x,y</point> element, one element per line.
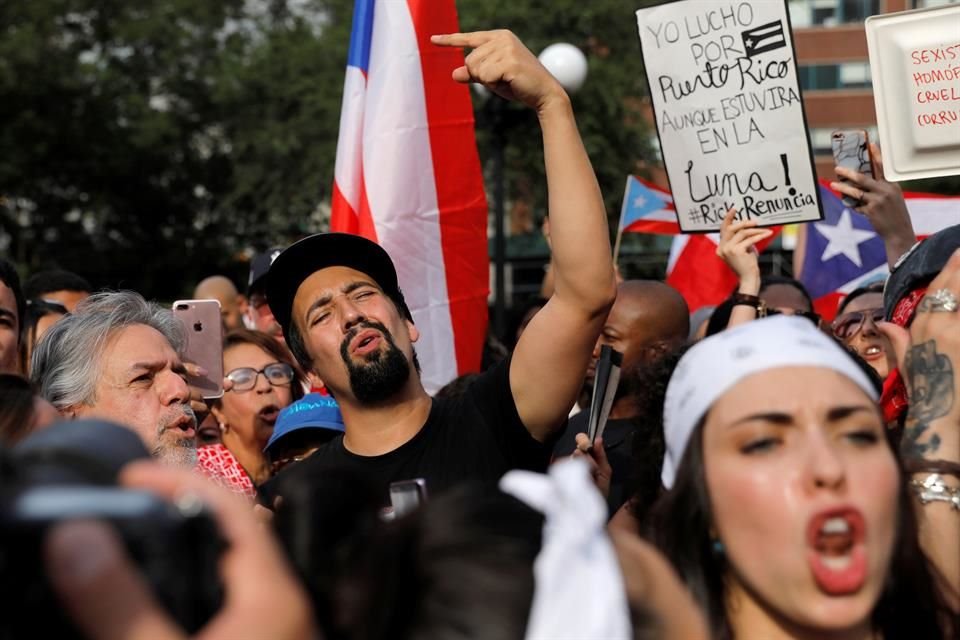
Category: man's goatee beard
<point>381,376</point>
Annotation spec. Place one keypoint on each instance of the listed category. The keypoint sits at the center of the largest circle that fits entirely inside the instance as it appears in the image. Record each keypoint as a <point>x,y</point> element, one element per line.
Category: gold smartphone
<point>203,328</point>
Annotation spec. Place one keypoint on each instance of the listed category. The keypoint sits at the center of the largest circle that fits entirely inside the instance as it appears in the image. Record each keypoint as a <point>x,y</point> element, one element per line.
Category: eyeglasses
<point>245,378</point>
<point>848,325</point>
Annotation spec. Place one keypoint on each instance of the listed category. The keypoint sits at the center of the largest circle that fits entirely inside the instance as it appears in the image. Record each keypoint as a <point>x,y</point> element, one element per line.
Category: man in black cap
<point>337,298</point>
<point>259,315</point>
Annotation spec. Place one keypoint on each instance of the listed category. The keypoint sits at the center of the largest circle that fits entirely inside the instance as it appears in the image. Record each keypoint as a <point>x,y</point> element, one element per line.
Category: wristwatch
<point>751,301</point>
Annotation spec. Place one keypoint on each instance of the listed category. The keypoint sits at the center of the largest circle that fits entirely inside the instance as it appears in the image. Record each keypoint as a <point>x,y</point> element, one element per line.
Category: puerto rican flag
<point>647,209</point>
<point>408,175</point>
<point>693,268</point>
<point>843,252</point>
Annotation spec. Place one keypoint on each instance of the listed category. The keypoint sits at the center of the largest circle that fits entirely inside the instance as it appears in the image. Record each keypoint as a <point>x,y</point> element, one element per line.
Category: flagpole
<point>623,211</point>
<point>616,245</point>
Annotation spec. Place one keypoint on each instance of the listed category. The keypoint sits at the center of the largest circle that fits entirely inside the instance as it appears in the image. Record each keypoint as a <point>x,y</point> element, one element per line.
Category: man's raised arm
<point>551,358</point>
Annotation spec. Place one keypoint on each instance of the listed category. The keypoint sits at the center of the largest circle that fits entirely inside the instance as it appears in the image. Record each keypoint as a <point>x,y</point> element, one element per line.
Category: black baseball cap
<point>304,258</point>
<point>259,266</point>
<point>919,266</point>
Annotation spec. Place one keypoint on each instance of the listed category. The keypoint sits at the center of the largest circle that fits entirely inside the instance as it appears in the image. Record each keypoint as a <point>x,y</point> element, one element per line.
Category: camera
<point>176,546</point>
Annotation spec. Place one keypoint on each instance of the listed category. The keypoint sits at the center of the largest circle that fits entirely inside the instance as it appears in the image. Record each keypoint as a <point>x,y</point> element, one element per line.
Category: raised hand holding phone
<point>880,201</point>
<point>203,355</point>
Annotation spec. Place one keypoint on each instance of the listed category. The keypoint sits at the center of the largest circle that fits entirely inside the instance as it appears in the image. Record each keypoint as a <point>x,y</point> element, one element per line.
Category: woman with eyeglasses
<point>264,381</point>
<point>856,326</point>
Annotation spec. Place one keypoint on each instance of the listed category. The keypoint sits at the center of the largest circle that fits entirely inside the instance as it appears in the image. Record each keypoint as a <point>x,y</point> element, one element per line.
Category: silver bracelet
<point>933,489</point>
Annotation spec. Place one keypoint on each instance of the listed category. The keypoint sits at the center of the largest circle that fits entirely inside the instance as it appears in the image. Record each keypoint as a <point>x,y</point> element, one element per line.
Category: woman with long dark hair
<point>787,513</point>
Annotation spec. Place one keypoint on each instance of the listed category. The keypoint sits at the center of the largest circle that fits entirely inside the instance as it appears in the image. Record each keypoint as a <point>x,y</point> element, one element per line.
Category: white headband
<point>714,365</point>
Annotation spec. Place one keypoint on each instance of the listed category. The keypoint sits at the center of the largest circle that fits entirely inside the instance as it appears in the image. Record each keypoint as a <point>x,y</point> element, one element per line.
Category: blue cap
<point>312,411</point>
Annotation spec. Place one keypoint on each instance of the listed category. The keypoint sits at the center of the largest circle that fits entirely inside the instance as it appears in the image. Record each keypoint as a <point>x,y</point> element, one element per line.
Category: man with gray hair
<point>117,357</point>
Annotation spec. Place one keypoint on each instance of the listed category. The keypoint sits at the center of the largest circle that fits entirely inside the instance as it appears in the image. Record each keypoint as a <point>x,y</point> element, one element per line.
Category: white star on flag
<point>843,239</point>
<point>639,202</point>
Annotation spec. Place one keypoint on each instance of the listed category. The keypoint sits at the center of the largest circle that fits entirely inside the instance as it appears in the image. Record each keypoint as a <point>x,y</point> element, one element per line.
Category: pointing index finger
<point>472,39</point>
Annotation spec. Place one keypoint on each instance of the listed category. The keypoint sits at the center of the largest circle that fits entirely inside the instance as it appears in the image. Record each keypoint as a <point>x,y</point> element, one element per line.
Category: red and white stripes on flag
<point>408,175</point>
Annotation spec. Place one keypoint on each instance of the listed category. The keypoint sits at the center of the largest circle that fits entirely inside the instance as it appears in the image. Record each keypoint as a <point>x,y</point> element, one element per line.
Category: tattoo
<point>930,376</point>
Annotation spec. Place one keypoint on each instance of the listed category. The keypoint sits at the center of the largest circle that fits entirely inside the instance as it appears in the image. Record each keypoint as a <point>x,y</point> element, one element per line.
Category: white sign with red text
<point>915,66</point>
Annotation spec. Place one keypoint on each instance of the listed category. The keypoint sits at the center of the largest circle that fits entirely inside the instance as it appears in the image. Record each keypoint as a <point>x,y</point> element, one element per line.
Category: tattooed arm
<point>932,397</point>
<point>932,430</point>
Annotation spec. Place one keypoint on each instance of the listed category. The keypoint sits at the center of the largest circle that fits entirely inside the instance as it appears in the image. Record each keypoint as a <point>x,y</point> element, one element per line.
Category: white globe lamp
<point>567,64</point>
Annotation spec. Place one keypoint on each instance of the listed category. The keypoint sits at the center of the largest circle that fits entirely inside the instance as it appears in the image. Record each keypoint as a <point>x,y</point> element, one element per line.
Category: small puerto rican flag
<point>647,209</point>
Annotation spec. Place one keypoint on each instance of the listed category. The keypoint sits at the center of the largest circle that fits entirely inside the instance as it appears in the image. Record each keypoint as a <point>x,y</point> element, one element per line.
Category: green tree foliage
<point>106,107</point>
<point>146,144</point>
<point>608,105</point>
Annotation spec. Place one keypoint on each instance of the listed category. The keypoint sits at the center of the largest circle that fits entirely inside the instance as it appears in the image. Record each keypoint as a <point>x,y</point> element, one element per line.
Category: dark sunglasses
<point>812,316</point>
<point>847,325</point>
<point>245,378</point>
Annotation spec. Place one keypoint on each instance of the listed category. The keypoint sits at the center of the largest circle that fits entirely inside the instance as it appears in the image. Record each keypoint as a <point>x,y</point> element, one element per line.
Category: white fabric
<point>348,170</point>
<point>714,365</point>
<point>579,590</point>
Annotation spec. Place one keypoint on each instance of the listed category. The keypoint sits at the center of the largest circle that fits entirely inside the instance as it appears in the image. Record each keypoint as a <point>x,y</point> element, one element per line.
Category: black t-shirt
<point>618,443</point>
<point>476,437</point>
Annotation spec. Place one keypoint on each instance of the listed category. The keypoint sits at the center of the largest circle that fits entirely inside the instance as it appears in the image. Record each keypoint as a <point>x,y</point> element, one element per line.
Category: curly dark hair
<point>649,388</point>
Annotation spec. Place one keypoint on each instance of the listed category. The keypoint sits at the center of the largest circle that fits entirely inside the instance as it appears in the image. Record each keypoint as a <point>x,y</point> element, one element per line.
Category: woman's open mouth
<point>836,552</point>
<point>873,352</point>
<point>269,413</point>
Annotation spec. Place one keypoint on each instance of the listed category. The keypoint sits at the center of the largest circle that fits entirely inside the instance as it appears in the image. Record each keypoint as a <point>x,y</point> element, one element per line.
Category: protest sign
<point>728,110</point>
<point>915,67</point>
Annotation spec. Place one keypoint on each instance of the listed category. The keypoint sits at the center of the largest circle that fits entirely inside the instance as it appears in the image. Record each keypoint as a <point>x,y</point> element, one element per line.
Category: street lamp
<point>569,66</point>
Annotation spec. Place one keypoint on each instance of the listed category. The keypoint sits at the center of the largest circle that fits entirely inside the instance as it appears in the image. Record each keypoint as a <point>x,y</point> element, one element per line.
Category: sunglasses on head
<point>849,324</point>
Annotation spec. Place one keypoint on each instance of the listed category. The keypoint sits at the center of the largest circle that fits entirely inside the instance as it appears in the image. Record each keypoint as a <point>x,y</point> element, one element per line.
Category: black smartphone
<point>407,495</point>
<point>851,150</point>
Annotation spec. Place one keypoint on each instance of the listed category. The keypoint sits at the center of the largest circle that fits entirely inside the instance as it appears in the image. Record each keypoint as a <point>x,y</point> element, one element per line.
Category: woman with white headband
<point>786,513</point>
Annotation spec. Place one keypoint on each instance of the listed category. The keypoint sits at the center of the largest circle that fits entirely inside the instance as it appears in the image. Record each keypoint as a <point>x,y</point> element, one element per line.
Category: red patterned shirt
<point>217,463</point>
